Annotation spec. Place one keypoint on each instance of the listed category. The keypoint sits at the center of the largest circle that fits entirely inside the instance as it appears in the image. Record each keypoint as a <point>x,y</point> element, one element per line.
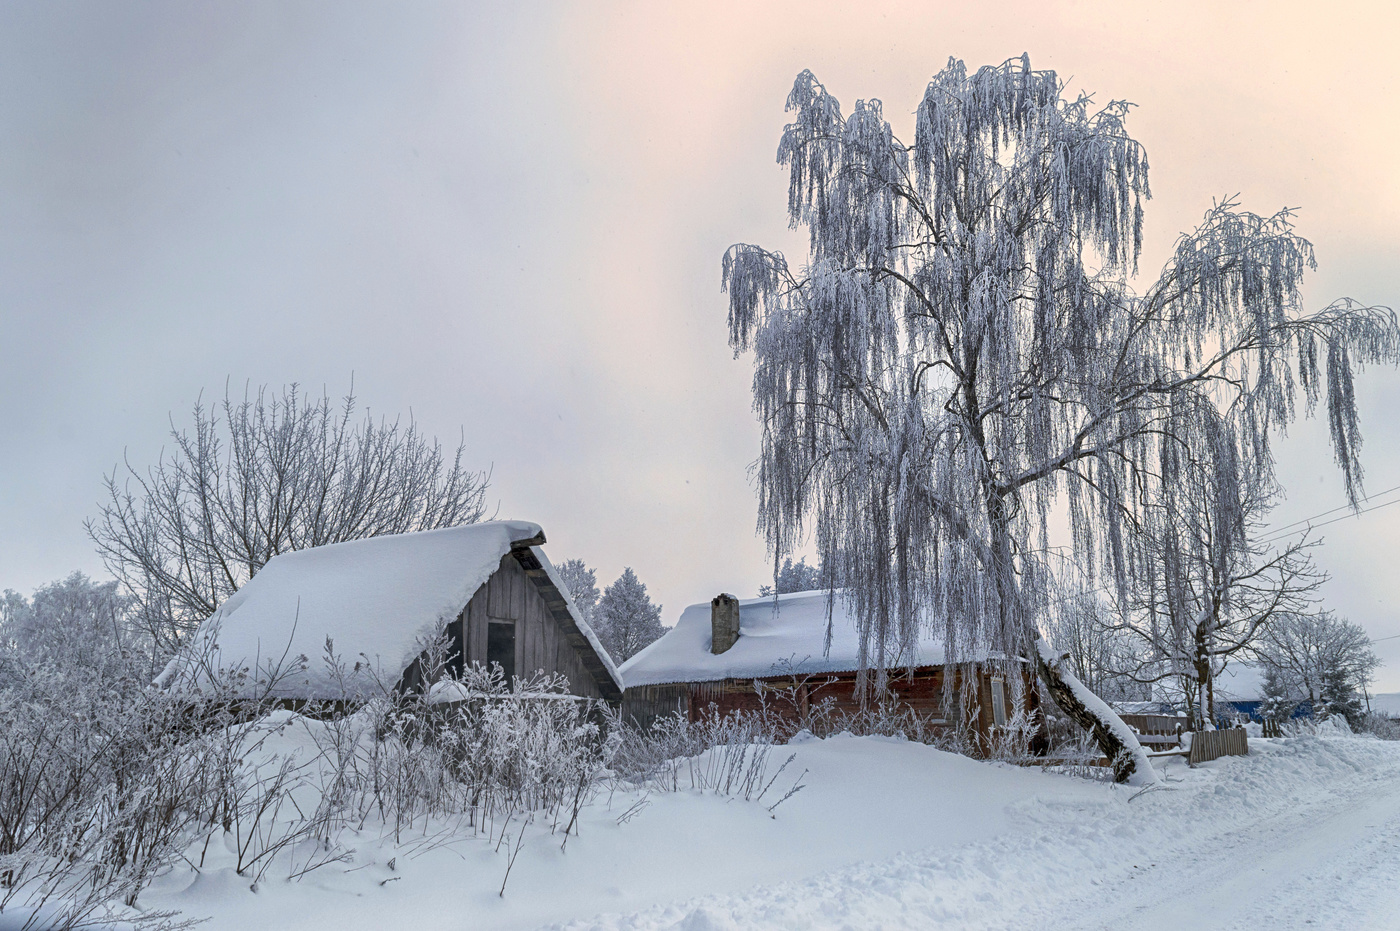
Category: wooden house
<point>743,655</point>
<point>488,587</point>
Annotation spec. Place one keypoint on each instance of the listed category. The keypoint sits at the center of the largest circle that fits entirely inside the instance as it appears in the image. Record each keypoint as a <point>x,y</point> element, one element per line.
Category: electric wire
<point>1340,507</point>
<point>1273,538</point>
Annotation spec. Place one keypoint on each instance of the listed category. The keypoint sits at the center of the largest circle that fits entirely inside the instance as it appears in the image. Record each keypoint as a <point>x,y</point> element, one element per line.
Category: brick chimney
<point>724,622</point>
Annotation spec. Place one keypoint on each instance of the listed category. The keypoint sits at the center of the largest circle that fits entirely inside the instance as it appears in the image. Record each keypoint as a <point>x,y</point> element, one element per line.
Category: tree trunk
<point>1117,741</point>
<point>1204,684</point>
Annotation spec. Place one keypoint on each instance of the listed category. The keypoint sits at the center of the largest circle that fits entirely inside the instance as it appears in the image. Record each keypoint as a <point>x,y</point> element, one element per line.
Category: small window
<point>500,647</point>
<point>998,702</point>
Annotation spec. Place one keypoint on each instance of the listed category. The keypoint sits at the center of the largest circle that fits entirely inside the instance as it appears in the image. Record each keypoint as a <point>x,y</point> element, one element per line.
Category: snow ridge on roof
<point>783,640</point>
<point>377,599</point>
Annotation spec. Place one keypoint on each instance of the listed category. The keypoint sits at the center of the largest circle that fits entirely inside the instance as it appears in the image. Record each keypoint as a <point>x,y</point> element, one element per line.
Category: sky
<point>507,220</point>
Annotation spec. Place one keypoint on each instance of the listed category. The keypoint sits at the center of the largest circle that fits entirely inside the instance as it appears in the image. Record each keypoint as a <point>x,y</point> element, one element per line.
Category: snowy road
<point>1302,834</point>
<point>1332,864</point>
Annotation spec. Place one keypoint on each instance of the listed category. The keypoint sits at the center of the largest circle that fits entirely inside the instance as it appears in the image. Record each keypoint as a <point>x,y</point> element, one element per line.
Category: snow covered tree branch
<point>275,473</point>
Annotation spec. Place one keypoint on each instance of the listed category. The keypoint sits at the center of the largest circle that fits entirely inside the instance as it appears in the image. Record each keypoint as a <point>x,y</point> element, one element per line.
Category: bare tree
<point>271,473</point>
<point>1302,650</point>
<point>1098,650</point>
<point>961,352</point>
<point>1206,587</point>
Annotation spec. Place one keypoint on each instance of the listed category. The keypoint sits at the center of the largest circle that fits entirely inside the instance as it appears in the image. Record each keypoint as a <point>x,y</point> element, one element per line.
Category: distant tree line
<point>623,615</point>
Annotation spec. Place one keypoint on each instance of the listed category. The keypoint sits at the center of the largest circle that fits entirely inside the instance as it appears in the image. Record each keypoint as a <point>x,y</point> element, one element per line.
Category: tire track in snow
<point>1327,865</point>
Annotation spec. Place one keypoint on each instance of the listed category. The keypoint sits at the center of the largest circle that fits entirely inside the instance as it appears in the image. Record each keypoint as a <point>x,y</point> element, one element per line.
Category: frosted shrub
<point>727,754</point>
<point>99,788</point>
<point>1381,726</point>
<point>1012,741</point>
<point>105,783</point>
<point>1334,726</point>
<point>824,717</point>
<point>469,756</point>
<point>892,719</point>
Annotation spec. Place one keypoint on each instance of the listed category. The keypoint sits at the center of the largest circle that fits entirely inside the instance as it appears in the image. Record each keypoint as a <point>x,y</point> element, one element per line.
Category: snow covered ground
<point>888,834</point>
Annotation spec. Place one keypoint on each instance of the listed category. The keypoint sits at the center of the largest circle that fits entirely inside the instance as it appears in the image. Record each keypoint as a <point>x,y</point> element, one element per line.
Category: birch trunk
<point>1119,744</point>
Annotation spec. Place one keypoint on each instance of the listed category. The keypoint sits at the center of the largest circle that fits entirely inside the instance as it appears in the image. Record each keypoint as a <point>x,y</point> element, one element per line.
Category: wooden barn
<point>489,587</point>
<point>738,655</point>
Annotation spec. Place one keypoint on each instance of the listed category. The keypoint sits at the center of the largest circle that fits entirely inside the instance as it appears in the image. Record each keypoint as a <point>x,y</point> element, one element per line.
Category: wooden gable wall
<point>540,643</point>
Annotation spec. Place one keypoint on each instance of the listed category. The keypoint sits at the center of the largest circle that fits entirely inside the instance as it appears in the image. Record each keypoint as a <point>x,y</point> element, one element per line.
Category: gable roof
<point>774,640</point>
<point>378,600</point>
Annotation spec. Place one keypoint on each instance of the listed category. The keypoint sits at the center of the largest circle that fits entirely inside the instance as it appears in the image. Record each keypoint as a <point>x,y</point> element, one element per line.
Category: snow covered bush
<point>102,783</point>
<point>727,754</point>
<point>105,782</point>
<point>475,751</point>
<point>1379,725</point>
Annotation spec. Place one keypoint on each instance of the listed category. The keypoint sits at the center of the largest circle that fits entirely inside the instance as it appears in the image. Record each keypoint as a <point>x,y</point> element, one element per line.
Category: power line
<point>1342,507</point>
<point>1279,536</point>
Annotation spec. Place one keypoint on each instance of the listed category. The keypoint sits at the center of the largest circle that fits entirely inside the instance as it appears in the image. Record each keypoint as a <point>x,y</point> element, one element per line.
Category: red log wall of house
<point>784,696</point>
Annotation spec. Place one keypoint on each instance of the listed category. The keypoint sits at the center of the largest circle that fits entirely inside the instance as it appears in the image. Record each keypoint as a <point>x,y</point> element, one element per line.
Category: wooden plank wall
<point>539,644</point>
<point>644,704</point>
<point>1166,724</point>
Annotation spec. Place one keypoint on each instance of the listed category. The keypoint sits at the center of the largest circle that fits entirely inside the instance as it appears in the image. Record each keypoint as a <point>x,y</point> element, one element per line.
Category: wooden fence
<point>1156,731</point>
<point>1211,745</point>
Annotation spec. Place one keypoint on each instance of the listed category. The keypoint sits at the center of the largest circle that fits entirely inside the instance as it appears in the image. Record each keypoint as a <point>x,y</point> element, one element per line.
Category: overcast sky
<point>510,223</point>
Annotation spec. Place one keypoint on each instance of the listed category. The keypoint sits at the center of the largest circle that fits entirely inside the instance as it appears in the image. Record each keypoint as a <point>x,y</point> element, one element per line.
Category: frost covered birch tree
<point>961,353</point>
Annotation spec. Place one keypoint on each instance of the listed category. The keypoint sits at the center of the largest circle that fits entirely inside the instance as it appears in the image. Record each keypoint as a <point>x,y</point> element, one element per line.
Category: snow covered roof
<point>1240,682</point>
<point>782,640</point>
<point>1386,703</point>
<point>378,600</point>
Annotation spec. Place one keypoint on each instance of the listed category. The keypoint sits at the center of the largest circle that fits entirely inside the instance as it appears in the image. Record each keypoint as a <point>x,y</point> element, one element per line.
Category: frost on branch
<point>961,352</point>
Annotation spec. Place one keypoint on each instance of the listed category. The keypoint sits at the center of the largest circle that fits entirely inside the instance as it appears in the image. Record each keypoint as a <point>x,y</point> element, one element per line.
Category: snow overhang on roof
<point>377,600</point>
<point>1239,681</point>
<point>774,640</point>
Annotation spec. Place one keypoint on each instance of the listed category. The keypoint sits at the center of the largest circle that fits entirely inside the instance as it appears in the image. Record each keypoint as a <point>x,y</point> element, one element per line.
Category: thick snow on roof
<point>1240,682</point>
<point>788,639</point>
<point>1386,703</point>
<point>377,599</point>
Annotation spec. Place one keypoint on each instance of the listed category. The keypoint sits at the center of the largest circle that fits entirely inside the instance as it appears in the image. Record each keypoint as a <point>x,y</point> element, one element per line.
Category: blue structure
<point>1250,711</point>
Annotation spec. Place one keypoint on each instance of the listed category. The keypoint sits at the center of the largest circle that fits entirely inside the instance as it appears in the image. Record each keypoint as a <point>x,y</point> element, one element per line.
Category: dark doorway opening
<point>500,647</point>
<point>456,649</point>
